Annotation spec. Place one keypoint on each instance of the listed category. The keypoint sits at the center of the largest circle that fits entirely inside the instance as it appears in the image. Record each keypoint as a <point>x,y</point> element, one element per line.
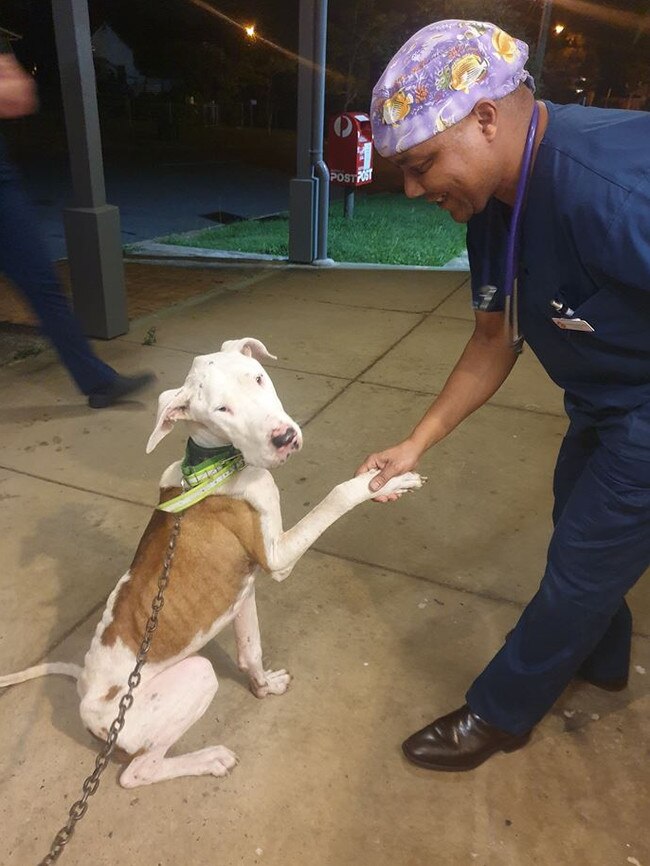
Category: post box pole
<point>348,202</point>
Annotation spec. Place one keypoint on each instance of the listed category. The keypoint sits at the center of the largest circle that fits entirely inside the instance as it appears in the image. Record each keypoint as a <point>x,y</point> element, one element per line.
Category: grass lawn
<point>386,229</point>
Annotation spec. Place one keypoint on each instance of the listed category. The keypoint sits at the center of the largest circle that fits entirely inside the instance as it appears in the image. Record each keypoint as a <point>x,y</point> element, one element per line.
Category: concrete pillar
<point>92,227</point>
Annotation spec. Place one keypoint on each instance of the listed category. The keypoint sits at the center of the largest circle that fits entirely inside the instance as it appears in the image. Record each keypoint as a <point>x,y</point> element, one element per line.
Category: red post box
<point>349,150</point>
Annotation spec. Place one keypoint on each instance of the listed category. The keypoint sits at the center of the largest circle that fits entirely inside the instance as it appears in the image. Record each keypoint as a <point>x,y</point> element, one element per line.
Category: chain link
<point>91,783</point>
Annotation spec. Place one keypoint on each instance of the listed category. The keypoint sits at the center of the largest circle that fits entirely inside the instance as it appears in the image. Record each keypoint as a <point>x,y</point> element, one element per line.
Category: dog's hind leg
<point>164,708</point>
<point>249,653</point>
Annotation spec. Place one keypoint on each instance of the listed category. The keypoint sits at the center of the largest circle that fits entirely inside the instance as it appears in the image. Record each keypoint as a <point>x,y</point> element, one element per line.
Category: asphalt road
<point>159,198</point>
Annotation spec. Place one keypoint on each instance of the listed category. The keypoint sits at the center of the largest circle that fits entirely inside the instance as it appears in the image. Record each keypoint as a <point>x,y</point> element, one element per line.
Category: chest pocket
<point>618,319</point>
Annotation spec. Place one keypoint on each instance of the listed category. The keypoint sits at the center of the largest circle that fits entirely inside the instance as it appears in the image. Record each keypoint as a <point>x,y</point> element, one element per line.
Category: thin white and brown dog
<point>226,540</point>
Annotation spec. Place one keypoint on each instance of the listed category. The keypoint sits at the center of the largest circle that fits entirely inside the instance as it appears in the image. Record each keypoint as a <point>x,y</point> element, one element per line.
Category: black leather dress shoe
<point>119,388</point>
<point>613,685</point>
<point>459,741</point>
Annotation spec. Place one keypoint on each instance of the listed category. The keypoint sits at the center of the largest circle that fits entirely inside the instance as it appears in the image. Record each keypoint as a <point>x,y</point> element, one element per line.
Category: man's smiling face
<point>456,169</point>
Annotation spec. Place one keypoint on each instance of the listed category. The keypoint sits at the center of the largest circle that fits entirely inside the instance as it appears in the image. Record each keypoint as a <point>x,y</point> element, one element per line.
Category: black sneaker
<point>121,386</point>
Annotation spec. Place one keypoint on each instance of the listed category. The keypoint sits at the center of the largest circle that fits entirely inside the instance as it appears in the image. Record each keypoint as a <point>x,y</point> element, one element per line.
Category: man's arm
<point>481,370</point>
<point>17,89</point>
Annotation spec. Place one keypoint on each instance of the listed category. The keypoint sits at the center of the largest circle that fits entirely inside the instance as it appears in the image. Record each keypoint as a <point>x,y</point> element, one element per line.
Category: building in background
<point>114,64</point>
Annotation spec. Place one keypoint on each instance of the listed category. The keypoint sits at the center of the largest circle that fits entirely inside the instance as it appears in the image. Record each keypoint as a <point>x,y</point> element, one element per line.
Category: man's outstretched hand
<point>393,461</point>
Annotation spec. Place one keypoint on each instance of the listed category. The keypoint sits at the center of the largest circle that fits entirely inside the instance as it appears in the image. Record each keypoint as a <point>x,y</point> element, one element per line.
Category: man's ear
<point>248,346</point>
<point>173,406</point>
<point>487,115</point>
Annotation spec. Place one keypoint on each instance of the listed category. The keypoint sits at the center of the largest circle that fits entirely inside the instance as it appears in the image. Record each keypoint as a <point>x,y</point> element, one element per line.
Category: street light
<point>559,28</point>
<point>250,31</point>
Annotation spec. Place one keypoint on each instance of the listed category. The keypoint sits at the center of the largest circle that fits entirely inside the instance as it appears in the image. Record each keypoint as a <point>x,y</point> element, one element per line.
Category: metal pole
<point>92,227</point>
<point>305,70</point>
<point>309,190</point>
<point>348,202</point>
<point>302,188</point>
<point>321,170</point>
<point>542,39</point>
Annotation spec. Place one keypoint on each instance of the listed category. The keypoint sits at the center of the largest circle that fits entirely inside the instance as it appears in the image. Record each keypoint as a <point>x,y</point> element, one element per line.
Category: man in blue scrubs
<point>453,109</point>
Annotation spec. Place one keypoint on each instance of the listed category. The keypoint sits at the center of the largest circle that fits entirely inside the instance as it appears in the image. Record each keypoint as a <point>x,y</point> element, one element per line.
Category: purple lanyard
<point>522,189</point>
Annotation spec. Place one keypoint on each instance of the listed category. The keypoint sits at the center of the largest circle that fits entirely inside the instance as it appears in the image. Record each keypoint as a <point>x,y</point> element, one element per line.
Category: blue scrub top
<point>585,241</point>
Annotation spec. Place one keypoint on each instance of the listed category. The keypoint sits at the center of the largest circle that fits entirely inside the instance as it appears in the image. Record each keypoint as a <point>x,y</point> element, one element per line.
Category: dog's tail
<point>68,670</point>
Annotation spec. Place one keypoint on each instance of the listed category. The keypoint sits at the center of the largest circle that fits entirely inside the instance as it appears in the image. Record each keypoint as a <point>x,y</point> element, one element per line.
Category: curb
<point>154,249</point>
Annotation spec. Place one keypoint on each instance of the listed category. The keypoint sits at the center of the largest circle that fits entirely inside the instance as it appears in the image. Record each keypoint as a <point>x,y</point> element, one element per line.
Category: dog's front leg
<point>287,549</point>
<point>249,653</point>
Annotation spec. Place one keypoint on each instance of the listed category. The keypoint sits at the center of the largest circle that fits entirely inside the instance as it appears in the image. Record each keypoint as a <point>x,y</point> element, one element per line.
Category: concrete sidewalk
<point>383,625</point>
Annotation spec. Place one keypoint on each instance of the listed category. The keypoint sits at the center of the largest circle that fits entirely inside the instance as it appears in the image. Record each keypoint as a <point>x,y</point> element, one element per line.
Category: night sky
<point>151,28</point>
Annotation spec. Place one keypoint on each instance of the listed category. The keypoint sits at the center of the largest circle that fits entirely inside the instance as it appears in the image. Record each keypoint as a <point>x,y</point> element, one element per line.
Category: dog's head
<point>228,398</point>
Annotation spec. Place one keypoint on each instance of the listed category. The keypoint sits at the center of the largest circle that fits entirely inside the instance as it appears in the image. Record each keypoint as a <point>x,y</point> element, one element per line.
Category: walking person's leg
<point>24,260</point>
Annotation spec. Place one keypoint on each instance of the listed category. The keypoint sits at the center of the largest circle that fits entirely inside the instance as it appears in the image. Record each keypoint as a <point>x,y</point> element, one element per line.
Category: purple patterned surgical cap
<point>438,76</point>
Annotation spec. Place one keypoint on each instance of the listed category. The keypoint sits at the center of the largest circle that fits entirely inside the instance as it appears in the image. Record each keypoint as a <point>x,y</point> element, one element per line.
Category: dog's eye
<point>259,379</point>
<point>222,409</point>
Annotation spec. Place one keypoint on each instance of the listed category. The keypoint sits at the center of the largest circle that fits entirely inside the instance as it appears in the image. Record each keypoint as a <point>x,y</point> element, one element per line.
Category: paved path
<point>383,624</point>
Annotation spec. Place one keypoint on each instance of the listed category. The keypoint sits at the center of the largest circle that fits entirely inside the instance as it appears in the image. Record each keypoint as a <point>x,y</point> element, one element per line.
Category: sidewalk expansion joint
<point>253,284</point>
<point>371,307</point>
<point>485,596</point>
<point>359,377</point>
<point>490,403</point>
<point>101,494</point>
<point>403,337</point>
<point>44,656</point>
<point>356,378</point>
<point>425,311</point>
<point>464,282</point>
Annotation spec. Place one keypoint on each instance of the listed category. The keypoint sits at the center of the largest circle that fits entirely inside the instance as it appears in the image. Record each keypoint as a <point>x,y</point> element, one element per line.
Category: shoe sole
<point>450,768</point>
<point>99,403</point>
<point>606,685</point>
<point>103,401</point>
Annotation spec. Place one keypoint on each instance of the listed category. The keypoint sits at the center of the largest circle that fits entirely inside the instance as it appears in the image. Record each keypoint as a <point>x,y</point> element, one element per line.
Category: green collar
<point>199,459</point>
<point>203,469</point>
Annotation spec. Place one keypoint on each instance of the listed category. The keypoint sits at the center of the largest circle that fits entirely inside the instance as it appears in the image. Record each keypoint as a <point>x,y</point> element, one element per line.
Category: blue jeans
<point>25,261</point>
<point>600,547</point>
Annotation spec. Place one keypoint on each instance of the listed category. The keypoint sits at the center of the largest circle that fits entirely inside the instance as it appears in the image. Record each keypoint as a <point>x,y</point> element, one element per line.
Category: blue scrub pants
<point>24,260</point>
<point>579,620</point>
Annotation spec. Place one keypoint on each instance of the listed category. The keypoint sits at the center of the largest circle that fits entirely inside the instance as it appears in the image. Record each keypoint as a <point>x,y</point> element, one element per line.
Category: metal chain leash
<point>90,785</point>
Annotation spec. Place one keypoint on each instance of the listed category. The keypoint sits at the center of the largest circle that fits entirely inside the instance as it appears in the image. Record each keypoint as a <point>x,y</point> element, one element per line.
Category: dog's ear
<point>173,406</point>
<point>249,346</point>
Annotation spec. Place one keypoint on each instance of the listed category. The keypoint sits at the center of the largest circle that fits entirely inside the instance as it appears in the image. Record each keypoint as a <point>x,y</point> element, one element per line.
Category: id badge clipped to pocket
<point>573,324</point>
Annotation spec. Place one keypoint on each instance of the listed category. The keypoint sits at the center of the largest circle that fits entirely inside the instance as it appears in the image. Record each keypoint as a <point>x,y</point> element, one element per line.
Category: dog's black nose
<point>285,438</point>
